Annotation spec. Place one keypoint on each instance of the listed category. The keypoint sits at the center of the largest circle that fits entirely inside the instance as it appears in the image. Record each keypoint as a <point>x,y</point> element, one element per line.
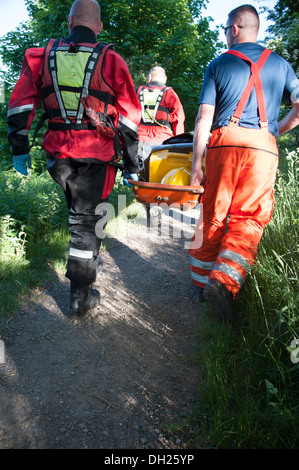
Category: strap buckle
<point>73,49</point>
<point>234,120</point>
<point>263,124</point>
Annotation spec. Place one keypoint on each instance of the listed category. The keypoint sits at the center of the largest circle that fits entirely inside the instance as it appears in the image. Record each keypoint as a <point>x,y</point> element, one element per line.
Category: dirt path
<point>120,378</point>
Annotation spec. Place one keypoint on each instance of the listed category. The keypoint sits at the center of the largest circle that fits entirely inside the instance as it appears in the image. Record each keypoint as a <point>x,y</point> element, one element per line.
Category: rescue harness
<point>150,99</point>
<point>67,77</point>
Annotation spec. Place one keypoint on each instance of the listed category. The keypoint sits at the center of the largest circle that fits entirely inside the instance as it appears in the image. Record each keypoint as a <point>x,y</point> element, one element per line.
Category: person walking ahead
<point>162,112</point>
<point>241,95</point>
<point>70,76</point>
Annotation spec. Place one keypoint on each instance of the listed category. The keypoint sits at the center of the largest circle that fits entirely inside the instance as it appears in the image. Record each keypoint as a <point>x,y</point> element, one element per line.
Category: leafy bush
<point>12,242</point>
<point>34,232</point>
<point>35,205</point>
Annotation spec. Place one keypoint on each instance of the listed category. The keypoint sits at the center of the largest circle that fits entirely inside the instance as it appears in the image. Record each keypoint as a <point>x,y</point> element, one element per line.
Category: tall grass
<point>249,393</point>
<point>249,397</point>
<point>33,230</point>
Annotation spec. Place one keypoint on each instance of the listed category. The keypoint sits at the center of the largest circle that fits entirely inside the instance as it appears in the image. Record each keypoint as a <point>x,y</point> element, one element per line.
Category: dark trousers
<point>82,182</point>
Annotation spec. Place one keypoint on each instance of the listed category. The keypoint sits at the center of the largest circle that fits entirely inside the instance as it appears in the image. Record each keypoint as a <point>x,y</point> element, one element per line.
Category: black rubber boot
<point>100,265</point>
<point>220,299</point>
<point>83,299</point>
<point>198,291</point>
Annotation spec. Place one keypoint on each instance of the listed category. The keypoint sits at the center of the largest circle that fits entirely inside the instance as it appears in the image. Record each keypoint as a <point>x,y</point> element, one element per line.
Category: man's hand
<point>203,124</point>
<point>198,178</point>
<point>21,163</point>
<point>291,120</point>
<point>129,176</point>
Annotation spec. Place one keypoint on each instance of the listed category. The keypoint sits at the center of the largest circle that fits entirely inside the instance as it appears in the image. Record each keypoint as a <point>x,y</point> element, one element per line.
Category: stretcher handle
<point>167,187</point>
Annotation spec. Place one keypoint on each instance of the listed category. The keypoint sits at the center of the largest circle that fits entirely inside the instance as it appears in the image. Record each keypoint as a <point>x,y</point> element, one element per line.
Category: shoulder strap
<point>159,99</point>
<point>145,109</point>
<point>254,81</point>
<point>89,70</point>
<point>44,117</point>
<point>53,73</point>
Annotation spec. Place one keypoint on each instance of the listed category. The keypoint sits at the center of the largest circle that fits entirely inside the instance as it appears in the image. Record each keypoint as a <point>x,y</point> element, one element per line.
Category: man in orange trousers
<point>241,96</point>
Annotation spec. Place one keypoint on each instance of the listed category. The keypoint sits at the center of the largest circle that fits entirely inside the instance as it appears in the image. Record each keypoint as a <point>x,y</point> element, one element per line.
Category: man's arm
<point>290,121</point>
<point>203,124</point>
<point>24,100</point>
<point>117,75</point>
<point>177,115</point>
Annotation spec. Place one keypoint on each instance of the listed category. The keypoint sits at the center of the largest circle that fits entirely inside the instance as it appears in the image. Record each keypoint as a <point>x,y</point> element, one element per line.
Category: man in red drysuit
<point>162,112</point>
<point>72,76</point>
<point>241,96</point>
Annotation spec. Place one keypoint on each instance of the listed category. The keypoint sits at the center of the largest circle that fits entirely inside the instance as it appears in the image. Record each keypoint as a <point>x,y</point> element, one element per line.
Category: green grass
<point>34,233</point>
<point>249,396</point>
<point>249,391</point>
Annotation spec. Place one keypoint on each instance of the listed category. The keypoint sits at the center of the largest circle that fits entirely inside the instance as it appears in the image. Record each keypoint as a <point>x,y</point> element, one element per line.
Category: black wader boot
<point>83,299</point>
<point>83,181</point>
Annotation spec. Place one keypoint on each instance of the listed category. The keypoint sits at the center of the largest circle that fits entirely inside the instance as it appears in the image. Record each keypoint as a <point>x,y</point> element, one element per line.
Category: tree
<point>145,33</point>
<point>284,40</point>
<point>285,30</point>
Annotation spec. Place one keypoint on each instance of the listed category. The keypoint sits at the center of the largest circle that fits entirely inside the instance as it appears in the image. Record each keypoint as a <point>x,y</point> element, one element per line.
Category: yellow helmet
<point>177,176</point>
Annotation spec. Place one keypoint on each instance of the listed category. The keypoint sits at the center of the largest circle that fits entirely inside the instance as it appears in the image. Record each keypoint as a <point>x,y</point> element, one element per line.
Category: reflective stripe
<point>63,48</point>
<point>231,272</point>
<point>235,257</point>
<point>53,72</point>
<point>80,48</point>
<point>71,113</point>
<point>80,253</point>
<point>128,123</point>
<point>201,264</point>
<point>86,83</point>
<point>199,278</point>
<point>19,109</point>
<point>86,49</point>
<point>23,132</point>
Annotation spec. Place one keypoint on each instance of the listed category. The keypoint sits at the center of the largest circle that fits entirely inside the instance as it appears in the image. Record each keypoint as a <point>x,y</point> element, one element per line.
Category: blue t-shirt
<point>226,78</point>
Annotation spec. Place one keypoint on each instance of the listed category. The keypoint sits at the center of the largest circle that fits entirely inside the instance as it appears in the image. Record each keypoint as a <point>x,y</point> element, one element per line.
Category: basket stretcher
<point>149,190</point>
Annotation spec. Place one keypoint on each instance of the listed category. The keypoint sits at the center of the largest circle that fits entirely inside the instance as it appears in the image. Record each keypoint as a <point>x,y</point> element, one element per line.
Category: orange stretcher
<point>175,153</point>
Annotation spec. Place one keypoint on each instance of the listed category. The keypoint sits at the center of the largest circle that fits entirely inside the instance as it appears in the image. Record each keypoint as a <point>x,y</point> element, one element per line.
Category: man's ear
<point>235,30</point>
<point>100,28</point>
<point>70,22</point>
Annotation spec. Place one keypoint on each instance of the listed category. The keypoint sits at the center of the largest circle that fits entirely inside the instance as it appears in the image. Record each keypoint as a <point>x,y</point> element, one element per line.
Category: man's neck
<point>156,83</point>
<point>82,34</point>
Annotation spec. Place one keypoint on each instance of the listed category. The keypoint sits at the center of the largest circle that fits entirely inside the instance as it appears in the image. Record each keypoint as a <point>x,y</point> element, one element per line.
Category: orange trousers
<point>238,202</point>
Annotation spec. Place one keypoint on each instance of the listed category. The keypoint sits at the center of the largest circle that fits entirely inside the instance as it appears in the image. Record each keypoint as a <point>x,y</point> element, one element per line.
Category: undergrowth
<point>34,232</point>
<point>250,392</point>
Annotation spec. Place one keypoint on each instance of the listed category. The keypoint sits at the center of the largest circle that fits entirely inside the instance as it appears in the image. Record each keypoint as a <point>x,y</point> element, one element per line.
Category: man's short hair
<point>237,12</point>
